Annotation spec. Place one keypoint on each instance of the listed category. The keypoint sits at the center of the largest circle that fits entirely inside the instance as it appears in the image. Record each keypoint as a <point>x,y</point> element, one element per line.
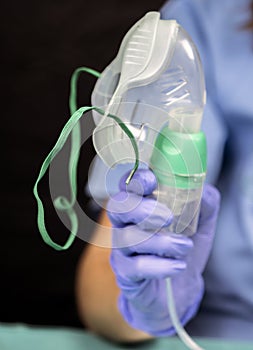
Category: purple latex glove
<point>144,254</point>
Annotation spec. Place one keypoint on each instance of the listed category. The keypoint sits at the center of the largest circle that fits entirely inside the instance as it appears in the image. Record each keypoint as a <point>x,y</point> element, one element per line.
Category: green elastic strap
<point>73,127</point>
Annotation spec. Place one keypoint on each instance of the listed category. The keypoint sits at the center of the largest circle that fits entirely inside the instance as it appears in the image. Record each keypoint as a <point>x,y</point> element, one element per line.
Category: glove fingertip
<point>142,183</point>
<point>210,203</point>
<point>212,192</point>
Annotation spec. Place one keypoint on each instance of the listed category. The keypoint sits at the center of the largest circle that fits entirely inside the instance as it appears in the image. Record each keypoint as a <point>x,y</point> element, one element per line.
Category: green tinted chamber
<point>179,159</point>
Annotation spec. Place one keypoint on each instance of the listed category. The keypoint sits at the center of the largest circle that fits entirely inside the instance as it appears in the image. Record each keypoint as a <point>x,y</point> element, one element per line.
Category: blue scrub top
<point>226,51</point>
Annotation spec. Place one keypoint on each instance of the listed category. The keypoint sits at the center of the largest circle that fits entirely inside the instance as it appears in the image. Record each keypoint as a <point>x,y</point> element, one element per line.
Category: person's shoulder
<point>205,20</point>
<point>194,16</point>
<point>204,7</point>
<point>201,7</point>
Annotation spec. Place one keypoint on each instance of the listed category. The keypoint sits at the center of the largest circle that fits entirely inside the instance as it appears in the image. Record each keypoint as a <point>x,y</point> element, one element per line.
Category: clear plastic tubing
<point>183,335</point>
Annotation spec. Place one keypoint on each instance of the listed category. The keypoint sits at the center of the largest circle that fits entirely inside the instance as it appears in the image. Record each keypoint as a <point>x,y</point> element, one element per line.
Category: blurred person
<point>121,291</point>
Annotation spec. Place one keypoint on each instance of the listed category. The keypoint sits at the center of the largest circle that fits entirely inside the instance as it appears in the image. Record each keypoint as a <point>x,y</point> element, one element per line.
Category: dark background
<point>42,42</point>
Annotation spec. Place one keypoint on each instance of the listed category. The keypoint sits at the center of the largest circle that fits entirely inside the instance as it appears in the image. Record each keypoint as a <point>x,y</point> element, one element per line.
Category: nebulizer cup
<point>179,157</point>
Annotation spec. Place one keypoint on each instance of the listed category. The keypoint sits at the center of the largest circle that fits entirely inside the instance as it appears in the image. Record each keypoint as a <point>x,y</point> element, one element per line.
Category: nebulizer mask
<point>156,87</point>
<point>147,107</point>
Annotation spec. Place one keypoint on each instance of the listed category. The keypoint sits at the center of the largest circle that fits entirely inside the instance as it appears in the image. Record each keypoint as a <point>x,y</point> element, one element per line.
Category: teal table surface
<point>22,337</point>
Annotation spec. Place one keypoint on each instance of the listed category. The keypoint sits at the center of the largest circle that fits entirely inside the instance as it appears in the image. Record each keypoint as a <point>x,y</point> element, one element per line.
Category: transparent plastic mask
<point>173,94</point>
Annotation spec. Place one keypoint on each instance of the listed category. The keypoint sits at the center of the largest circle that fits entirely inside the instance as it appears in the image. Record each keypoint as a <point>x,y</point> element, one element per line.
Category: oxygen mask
<point>155,81</point>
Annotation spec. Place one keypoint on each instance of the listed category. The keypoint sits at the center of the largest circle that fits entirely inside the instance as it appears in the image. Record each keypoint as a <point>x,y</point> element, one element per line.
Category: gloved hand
<point>144,254</point>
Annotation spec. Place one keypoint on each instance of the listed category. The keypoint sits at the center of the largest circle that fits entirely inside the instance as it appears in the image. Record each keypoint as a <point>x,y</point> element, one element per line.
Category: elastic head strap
<point>72,127</point>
